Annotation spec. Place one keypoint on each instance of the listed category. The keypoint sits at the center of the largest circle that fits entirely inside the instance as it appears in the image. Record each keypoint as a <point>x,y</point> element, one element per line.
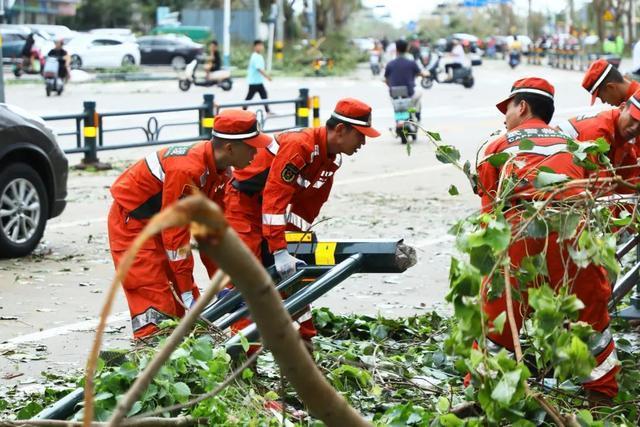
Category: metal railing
<point>92,132</point>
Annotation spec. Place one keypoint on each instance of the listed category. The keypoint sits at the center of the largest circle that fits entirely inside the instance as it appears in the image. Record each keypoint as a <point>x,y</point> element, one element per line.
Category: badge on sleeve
<point>292,168</point>
<point>290,172</point>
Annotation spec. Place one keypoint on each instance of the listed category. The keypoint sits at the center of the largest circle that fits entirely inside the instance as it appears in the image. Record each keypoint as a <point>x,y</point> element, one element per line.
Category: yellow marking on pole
<point>303,112</point>
<point>316,102</point>
<point>90,132</point>
<point>298,237</point>
<point>325,253</point>
<point>207,122</point>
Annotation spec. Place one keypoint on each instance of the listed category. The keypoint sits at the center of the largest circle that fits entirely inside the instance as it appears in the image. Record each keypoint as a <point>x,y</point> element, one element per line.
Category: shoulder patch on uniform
<point>290,172</point>
<point>177,150</point>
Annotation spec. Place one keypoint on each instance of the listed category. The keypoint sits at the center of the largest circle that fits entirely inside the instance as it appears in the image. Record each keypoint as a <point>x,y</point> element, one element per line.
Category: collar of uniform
<point>210,159</point>
<point>633,87</point>
<point>320,137</point>
<point>531,123</point>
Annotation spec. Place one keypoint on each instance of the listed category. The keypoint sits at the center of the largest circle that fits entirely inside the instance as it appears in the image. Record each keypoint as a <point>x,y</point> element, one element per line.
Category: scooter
<point>221,78</point>
<point>374,63</point>
<point>52,80</point>
<point>404,114</point>
<point>462,76</point>
<point>31,65</point>
<point>514,59</point>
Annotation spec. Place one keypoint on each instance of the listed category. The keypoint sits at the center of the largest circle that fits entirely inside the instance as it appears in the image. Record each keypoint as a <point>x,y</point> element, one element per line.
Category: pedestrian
<point>159,284</point>
<point>603,80</point>
<point>287,184</point>
<point>528,110</point>
<point>403,71</point>
<point>635,67</point>
<point>256,74</point>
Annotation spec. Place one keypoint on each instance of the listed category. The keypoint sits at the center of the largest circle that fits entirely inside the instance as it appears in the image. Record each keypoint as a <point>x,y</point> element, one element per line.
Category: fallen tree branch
<point>222,244</point>
<point>172,342</point>
<point>187,421</point>
<point>235,374</point>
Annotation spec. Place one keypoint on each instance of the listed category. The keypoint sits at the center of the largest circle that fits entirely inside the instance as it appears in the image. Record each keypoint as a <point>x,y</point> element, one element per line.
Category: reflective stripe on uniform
<point>302,182</point>
<point>153,163</point>
<point>297,221</point>
<point>179,254</point>
<point>273,147</point>
<point>274,219</point>
<point>604,368</point>
<point>566,127</point>
<point>600,342</point>
<point>543,150</point>
<point>149,317</point>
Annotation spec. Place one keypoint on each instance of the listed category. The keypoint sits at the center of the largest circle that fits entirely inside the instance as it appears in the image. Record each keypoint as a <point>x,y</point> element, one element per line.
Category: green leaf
<point>103,396</point>
<point>497,160</point>
<point>569,226</point>
<point>3,404</point>
<point>29,411</point>
<point>244,343</point>
<point>202,350</point>
<point>545,179</point>
<point>137,407</point>
<point>271,395</point>
<point>506,388</point>
<point>447,154</point>
<point>434,135</point>
<point>453,190</point>
<point>624,220</point>
<point>498,322</point>
<point>247,374</point>
<point>443,405</point>
<point>526,144</point>
<point>450,420</point>
<point>181,392</point>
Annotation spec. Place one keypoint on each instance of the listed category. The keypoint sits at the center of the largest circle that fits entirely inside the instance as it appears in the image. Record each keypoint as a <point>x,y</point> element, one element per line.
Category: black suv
<point>33,180</point>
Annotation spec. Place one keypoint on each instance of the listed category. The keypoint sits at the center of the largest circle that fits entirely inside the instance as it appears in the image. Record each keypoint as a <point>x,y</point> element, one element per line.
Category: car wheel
<point>128,60</point>
<point>24,210</point>
<point>226,84</point>
<point>178,62</point>
<point>184,85</point>
<point>76,62</point>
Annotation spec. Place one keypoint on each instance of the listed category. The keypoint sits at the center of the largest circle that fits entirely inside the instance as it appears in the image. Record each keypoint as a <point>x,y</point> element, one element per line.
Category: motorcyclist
<point>457,60</point>
<point>403,71</point>
<point>214,63</point>
<point>515,49</point>
<point>64,59</point>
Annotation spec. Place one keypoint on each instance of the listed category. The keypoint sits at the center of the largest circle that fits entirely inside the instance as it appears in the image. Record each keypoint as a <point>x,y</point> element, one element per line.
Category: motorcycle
<point>462,75</point>
<point>404,113</point>
<point>51,74</point>
<point>221,78</point>
<point>31,65</point>
<point>514,59</point>
<point>374,63</point>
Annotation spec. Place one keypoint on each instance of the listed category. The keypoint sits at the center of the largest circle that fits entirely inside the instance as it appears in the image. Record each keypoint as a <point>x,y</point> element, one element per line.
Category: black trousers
<point>259,89</point>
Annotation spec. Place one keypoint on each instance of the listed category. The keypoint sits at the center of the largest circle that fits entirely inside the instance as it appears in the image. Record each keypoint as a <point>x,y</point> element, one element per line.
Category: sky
<point>406,10</point>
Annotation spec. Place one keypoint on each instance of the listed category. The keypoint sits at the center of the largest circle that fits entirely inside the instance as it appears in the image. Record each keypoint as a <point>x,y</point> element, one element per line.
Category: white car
<point>96,51</point>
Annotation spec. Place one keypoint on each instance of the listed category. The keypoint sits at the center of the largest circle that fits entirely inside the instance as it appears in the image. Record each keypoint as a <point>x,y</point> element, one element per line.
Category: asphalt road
<point>52,298</point>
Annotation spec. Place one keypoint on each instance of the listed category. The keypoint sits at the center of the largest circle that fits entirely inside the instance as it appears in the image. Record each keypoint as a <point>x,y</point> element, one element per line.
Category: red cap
<point>357,114</point>
<point>634,105</point>
<point>534,85</point>
<point>242,126</point>
<point>594,77</point>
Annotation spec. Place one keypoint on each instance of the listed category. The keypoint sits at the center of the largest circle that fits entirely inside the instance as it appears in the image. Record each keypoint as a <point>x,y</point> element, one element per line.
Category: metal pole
<point>207,116</point>
<point>314,27</point>
<point>89,131</point>
<point>270,49</point>
<point>302,109</point>
<point>257,17</point>
<point>280,31</point>
<point>1,60</point>
<point>226,37</point>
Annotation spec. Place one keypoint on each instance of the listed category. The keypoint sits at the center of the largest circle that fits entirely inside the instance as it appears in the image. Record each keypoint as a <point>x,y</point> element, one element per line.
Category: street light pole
<point>1,61</point>
<point>226,36</point>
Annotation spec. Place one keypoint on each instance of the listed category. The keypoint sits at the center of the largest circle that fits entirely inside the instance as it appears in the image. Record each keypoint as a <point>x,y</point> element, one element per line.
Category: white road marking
<point>390,175</point>
<point>86,325</point>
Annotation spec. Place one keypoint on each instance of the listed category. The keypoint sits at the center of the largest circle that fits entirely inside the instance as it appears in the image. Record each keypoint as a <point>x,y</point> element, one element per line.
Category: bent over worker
<point>619,127</point>
<point>528,110</point>
<point>602,80</point>
<point>164,265</point>
<point>287,184</point>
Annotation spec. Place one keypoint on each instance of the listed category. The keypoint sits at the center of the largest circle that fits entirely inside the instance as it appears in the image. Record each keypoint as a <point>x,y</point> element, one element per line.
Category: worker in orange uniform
<point>164,265</point>
<point>528,110</point>
<point>602,80</point>
<point>287,184</point>
<point>619,127</point>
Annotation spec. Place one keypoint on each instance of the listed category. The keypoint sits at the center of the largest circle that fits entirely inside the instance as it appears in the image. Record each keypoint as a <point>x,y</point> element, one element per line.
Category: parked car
<point>96,51</point>
<point>15,36</point>
<point>55,32</point>
<point>121,33</point>
<point>168,49</point>
<point>33,180</point>
<point>196,33</point>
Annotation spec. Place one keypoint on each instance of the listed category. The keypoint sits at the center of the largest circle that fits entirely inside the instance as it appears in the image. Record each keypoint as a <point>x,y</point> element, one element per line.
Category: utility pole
<point>528,26</point>
<point>257,17</point>
<point>273,16</point>
<point>314,23</point>
<point>226,36</point>
<point>280,31</point>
